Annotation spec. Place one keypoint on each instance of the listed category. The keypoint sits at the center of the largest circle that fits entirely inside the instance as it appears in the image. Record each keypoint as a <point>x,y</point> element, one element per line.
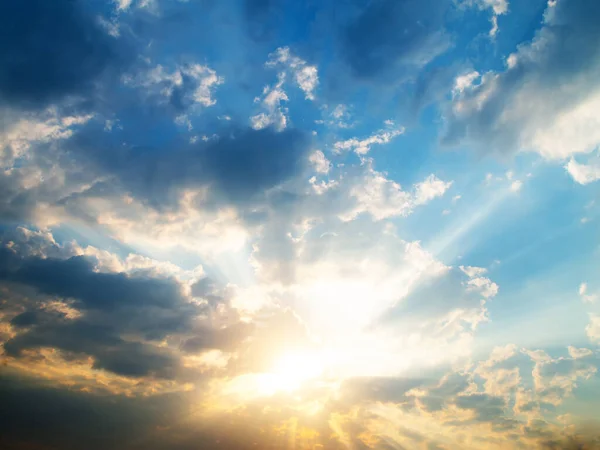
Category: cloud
<point>380,197</point>
<point>80,416</point>
<point>132,359</point>
<point>516,186</point>
<point>446,296</point>
<point>21,132</point>
<point>123,4</point>
<point>384,198</point>
<point>362,146</point>
<point>75,278</point>
<point>340,117</point>
<point>320,162</point>
<point>123,320</point>
<point>544,100</point>
<point>236,167</point>
<point>305,75</point>
<point>429,189</point>
<point>583,173</point>
<point>275,115</point>
<point>486,407</point>
<point>498,8</point>
<point>390,39</point>
<point>185,87</point>
<point>227,338</point>
<point>317,312</point>
<point>593,329</point>
<point>577,353</point>
<point>290,66</point>
<point>556,378</point>
<point>53,52</point>
<point>585,295</point>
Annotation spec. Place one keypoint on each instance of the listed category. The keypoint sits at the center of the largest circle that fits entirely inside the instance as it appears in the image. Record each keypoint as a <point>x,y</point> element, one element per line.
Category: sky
<point>281,224</point>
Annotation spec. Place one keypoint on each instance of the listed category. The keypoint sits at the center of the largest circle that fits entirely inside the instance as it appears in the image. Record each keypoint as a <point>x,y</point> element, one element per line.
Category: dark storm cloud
<point>39,417</point>
<point>16,204</point>
<point>152,307</point>
<point>237,166</point>
<point>25,319</point>
<point>51,50</point>
<point>43,418</point>
<point>75,278</point>
<point>122,318</point>
<point>393,38</point>
<point>112,304</point>
<point>227,339</point>
<point>111,353</point>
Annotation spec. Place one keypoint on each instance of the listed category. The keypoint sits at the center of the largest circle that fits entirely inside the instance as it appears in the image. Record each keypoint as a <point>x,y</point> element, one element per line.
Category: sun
<point>290,372</point>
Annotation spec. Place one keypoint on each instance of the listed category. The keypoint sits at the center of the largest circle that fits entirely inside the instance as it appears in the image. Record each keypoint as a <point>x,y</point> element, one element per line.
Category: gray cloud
<point>120,317</point>
<point>394,38</point>
<point>238,166</point>
<point>52,50</point>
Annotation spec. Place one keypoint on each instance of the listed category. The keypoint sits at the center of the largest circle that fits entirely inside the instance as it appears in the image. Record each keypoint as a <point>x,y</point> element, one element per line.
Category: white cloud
<point>362,146</point>
<point>339,117</point>
<point>473,272</point>
<point>359,269</point>
<point>516,185</point>
<point>192,84</point>
<point>577,353</point>
<point>485,286</point>
<point>498,7</point>
<point>384,198</point>
<point>188,226</point>
<point>494,30</point>
<point>583,173</point>
<point>320,163</point>
<point>339,112</point>
<point>17,137</point>
<point>513,184</point>
<point>276,114</point>
<point>465,81</point>
<point>305,75</point>
<point>429,189</point>
<point>593,329</point>
<point>538,103</point>
<point>585,295</point>
<point>556,378</point>
<point>380,197</point>
<point>123,4</point>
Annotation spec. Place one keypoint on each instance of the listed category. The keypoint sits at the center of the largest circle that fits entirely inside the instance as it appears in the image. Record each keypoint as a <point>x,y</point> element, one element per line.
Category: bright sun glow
<point>290,372</point>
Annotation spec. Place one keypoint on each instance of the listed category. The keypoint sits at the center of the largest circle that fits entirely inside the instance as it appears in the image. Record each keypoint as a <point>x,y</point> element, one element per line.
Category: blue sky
<point>358,224</point>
